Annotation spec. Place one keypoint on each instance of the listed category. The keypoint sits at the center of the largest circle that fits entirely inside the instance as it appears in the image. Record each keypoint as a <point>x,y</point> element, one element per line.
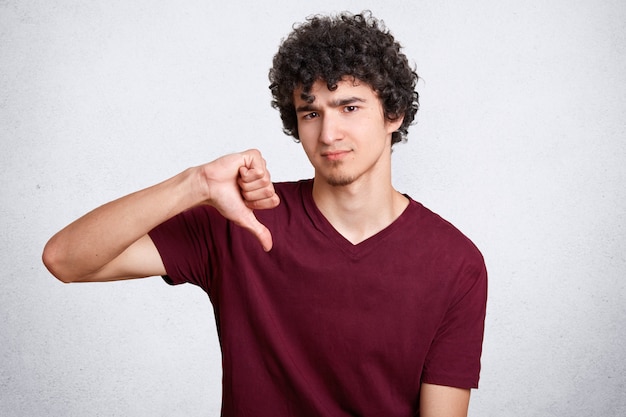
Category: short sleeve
<point>454,356</point>
<point>184,243</point>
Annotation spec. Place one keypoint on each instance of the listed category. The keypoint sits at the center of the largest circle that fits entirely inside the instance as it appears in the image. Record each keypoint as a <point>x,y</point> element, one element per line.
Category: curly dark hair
<point>330,48</point>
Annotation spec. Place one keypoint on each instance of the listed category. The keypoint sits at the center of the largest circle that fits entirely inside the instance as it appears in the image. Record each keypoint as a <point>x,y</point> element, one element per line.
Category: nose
<point>331,129</point>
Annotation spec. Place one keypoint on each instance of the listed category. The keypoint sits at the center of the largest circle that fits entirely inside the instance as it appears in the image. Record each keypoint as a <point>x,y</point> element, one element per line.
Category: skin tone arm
<point>111,242</point>
<point>442,401</point>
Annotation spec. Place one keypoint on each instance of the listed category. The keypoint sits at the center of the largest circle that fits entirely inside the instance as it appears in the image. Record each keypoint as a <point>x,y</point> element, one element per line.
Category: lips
<point>335,155</point>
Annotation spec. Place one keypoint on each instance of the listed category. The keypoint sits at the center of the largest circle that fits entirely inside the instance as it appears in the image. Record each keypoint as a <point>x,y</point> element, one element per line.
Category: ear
<point>393,125</point>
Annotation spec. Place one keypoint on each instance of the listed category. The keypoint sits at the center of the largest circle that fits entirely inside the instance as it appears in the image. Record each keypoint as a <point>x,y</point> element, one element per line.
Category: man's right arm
<point>112,242</point>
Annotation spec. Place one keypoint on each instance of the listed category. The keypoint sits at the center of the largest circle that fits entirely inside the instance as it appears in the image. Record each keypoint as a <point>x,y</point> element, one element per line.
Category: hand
<point>238,184</point>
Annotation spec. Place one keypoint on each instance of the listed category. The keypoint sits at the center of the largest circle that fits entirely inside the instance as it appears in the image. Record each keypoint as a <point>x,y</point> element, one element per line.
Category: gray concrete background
<point>520,142</point>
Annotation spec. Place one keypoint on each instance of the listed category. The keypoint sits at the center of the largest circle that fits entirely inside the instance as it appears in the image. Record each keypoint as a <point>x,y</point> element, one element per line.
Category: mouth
<point>335,155</point>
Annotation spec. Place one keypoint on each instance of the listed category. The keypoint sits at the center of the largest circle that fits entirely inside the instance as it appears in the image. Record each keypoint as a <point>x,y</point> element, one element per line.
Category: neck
<point>361,209</point>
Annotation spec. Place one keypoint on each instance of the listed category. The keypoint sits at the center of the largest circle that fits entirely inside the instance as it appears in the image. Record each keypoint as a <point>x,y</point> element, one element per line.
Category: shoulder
<point>292,194</point>
<point>457,262</point>
<point>447,252</point>
<point>293,189</point>
<point>440,233</point>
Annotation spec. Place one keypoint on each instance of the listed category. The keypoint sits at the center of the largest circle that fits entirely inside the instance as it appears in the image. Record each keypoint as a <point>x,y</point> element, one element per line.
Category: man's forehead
<point>308,95</point>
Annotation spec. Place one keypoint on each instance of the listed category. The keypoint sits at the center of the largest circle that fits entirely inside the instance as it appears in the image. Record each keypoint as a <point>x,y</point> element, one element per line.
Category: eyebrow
<point>335,103</point>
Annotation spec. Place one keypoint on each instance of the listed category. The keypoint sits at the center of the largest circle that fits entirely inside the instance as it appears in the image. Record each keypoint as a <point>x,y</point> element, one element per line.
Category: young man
<point>358,300</point>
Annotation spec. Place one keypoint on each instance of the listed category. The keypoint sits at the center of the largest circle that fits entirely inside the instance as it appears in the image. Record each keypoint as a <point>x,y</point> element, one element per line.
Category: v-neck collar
<point>354,251</point>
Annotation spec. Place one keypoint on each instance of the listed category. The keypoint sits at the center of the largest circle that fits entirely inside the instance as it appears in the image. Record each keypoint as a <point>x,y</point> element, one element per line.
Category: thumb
<point>262,233</point>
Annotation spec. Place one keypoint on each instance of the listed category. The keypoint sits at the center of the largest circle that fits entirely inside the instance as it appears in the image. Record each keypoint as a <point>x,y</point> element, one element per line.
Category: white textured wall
<point>520,142</point>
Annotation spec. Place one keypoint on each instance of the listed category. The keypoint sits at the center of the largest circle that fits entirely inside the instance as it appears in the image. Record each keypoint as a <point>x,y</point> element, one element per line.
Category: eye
<point>310,116</point>
<point>350,109</point>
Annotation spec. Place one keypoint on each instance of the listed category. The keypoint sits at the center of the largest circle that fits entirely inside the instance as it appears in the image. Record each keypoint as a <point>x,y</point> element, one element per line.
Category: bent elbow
<point>53,261</point>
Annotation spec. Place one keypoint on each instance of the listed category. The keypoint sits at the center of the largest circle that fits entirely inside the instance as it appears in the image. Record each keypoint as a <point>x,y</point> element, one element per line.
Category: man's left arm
<point>442,401</point>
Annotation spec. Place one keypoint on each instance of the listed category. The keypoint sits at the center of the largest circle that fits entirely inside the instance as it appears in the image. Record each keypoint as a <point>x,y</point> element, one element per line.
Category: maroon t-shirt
<point>321,327</point>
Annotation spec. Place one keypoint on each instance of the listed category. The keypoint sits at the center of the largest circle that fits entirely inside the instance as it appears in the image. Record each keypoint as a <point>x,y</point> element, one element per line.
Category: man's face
<point>344,132</point>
